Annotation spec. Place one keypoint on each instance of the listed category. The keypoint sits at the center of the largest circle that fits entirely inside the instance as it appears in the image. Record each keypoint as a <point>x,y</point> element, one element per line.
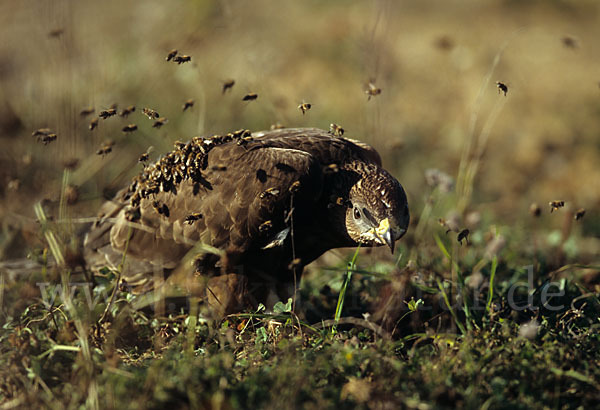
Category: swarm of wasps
<point>44,135</point>
<point>187,162</point>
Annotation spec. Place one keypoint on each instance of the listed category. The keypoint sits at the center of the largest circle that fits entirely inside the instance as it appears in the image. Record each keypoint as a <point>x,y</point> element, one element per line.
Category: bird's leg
<point>226,294</point>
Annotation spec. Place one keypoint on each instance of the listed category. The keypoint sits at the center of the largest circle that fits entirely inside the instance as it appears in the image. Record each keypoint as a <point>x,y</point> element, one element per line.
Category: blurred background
<point>436,63</point>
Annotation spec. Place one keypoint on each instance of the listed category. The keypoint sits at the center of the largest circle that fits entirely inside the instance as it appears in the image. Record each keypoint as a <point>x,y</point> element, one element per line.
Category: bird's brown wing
<point>243,203</point>
<point>321,144</point>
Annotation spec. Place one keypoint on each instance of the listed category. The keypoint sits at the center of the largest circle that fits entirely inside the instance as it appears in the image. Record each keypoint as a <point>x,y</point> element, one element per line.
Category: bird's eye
<point>356,213</point>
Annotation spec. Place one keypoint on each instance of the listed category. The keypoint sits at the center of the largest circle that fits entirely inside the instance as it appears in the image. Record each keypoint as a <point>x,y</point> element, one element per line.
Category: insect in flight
<point>228,85</point>
<point>304,107</point>
<point>188,104</point>
<point>502,88</point>
<point>372,90</point>
<point>555,205</point>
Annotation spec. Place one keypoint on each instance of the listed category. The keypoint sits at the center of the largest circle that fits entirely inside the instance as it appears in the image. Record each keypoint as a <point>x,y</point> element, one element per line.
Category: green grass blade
<point>449,306</point>
<point>491,289</point>
<point>347,278</point>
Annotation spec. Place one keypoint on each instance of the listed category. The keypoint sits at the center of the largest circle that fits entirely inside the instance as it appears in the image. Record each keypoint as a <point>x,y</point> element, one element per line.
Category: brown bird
<point>270,205</point>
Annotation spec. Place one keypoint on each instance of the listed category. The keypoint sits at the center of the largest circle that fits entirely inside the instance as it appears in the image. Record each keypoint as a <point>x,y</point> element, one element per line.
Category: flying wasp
<point>502,88</point>
<point>570,42</point>
<point>160,122</point>
<point>294,264</point>
<point>106,148</point>
<point>535,210</point>
<point>304,107</point>
<point>171,55</point>
<point>265,226</point>
<point>40,132</point>
<point>182,59</point>
<point>104,114</point>
<point>463,235</point>
<point>295,187</point>
<point>579,214</point>
<point>125,112</point>
<point>47,138</point>
<point>146,155</point>
<point>336,130</point>
<point>331,168</point>
<point>372,90</point>
<point>269,192</point>
<point>555,205</point>
<point>250,97</point>
<point>162,209</point>
<point>188,104</point>
<point>150,113</point>
<point>93,124</point>
<point>86,111</point>
<point>56,33</point>
<point>228,85</point>
<point>190,219</point>
<point>129,128</point>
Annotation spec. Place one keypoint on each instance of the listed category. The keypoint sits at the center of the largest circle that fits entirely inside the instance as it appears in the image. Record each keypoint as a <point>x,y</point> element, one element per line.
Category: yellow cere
<point>383,227</point>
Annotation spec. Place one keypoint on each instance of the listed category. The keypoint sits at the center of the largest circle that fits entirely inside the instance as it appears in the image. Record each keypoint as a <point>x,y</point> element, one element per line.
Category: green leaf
<point>280,307</point>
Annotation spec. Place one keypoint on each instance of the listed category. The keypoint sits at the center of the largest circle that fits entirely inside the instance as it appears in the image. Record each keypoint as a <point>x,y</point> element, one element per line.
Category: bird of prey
<point>249,211</point>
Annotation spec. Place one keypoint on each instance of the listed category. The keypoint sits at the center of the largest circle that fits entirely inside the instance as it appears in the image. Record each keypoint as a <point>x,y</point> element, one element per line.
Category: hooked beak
<point>389,239</point>
<point>387,234</point>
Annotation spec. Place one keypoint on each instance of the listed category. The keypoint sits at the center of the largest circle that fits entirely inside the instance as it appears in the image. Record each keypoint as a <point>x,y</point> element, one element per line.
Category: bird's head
<point>377,210</point>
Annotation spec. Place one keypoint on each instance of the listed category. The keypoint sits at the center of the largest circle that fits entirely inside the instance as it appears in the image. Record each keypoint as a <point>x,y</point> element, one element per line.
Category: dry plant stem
<point>1,293</point>
<point>159,292</point>
<point>48,234</point>
<point>294,268</point>
<point>191,328</point>
<point>82,330</point>
<point>423,223</point>
<point>473,164</point>
<point>116,288</point>
<point>468,167</point>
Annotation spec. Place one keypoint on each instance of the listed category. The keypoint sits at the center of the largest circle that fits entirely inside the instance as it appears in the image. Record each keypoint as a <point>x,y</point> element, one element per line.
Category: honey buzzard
<point>251,209</point>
